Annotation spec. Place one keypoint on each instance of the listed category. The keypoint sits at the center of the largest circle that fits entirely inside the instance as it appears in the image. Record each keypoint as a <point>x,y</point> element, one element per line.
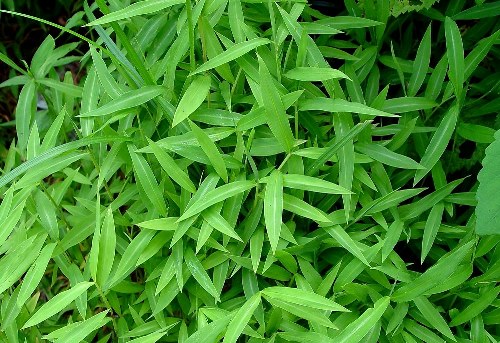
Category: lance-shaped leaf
<point>232,53</point>
<point>303,298</point>
<point>147,180</point>
<point>130,257</point>
<point>35,274</point>
<point>341,105</point>
<point>433,316</point>
<point>126,101</point>
<point>200,274</point>
<point>194,96</point>
<point>388,157</point>
<point>438,143</point>
<point>433,276</point>
<point>241,319</point>
<point>343,238</point>
<point>209,147</point>
<point>355,331</point>
<point>455,52</point>
<point>57,303</point>
<point>303,209</point>
<point>315,74</point>
<point>107,245</point>
<point>277,118</point>
<point>136,9</point>
<point>312,184</point>
<point>80,330</point>
<point>25,111</point>
<point>273,207</point>
<point>421,64</point>
<point>215,196</point>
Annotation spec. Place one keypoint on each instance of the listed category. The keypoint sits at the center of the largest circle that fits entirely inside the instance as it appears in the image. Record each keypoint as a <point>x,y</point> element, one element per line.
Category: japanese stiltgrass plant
<point>255,171</point>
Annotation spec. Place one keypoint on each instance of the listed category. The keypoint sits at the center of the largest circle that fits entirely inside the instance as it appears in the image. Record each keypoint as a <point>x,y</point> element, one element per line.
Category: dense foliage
<point>254,171</point>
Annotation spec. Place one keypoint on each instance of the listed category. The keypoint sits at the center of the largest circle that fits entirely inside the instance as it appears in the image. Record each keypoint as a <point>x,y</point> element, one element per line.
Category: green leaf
<point>303,209</point>
<point>63,87</point>
<point>431,229</point>
<point>314,74</point>
<point>312,184</point>
<point>348,22</point>
<point>488,203</point>
<point>199,273</point>
<point>432,315</point>
<point>332,150</point>
<point>210,332</point>
<point>54,152</point>
<point>81,330</point>
<point>312,315</point>
<point>214,48</point>
<point>126,101</point>
<point>35,274</point>
<point>408,104</point>
<point>232,53</point>
<point>136,9</point>
<point>57,304</point>
<point>65,331</point>
<point>25,112</point>
<point>11,217</point>
<point>421,64</point>
<point>275,110</point>
<point>151,338</point>
<point>490,9</point>
<point>391,238</point>
<point>433,276</point>
<point>107,245</point>
<point>386,156</point>
<point>218,222</point>
<point>303,298</point>
<point>438,143</point>
<point>50,139</point>
<point>147,180</point>
<point>273,208</point>
<point>109,84</point>
<point>355,331</point>
<point>130,257</point>
<point>192,99</point>
<point>161,224</point>
<point>455,52</point>
<point>343,238</point>
<point>479,53</point>
<point>476,307</point>
<point>341,105</point>
<point>236,20</point>
<point>215,196</point>
<point>241,319</point>
<point>256,245</point>
<point>211,150</point>
<point>476,133</point>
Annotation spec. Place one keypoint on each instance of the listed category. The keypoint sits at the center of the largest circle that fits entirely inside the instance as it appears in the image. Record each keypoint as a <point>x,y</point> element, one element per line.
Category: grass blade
<point>438,143</point>
<point>273,208</point>
<point>136,9</point>
<point>231,54</point>
<point>314,74</point>
<point>57,303</point>
<point>147,180</point>
<point>421,64</point>
<point>276,115</point>
<point>192,98</point>
<point>455,52</point>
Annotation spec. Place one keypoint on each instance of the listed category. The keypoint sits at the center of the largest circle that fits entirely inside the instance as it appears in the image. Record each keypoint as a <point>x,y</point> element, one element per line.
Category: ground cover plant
<point>254,171</point>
